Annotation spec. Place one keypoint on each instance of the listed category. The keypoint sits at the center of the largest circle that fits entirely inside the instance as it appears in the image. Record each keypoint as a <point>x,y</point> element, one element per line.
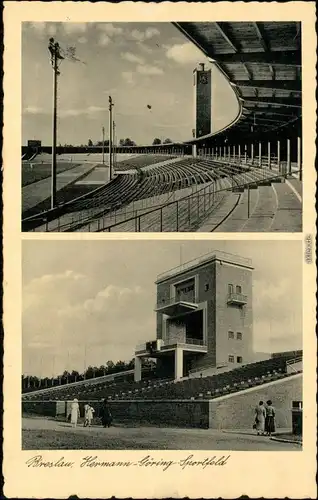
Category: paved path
<point>164,438</point>
<point>35,193</point>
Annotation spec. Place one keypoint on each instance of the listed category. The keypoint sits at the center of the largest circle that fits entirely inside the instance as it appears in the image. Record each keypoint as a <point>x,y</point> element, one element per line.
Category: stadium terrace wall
<point>159,413</point>
<point>235,411</point>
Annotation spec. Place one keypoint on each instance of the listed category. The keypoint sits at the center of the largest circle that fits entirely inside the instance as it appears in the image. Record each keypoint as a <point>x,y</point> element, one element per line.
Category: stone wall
<point>236,411</point>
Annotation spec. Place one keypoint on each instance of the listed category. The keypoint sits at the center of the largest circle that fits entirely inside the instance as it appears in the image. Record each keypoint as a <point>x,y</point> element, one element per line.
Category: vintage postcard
<point>159,365</point>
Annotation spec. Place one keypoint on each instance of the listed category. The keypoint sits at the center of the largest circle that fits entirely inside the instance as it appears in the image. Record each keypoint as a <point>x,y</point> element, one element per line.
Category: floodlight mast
<point>110,137</point>
<point>103,145</point>
<point>55,52</point>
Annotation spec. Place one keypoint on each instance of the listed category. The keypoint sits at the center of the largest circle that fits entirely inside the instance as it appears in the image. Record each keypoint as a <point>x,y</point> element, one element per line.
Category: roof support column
<point>278,156</point>
<point>137,371</point>
<point>252,153</point>
<point>299,164</point>
<point>224,152</point>
<point>194,150</point>
<point>260,155</point>
<point>245,154</point>
<point>178,363</point>
<point>288,157</point>
<point>234,153</point>
<point>269,155</point>
<point>229,153</point>
<point>239,153</point>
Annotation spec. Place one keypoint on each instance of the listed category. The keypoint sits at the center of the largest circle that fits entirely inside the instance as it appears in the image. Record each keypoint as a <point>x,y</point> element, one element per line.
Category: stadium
<point>246,176</point>
<point>192,385</point>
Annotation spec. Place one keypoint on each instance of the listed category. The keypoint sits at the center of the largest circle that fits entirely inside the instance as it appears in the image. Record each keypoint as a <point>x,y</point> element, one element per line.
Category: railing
<point>172,341</point>
<point>185,214</point>
<point>176,300</point>
<point>215,254</point>
<point>237,297</point>
<point>207,367</point>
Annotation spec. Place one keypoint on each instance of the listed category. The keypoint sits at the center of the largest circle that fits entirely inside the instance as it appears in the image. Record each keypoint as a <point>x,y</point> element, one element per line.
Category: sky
<point>99,297</point>
<point>136,63</point>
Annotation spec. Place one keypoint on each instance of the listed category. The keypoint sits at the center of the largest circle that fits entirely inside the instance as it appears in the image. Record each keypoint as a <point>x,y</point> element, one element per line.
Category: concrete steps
<point>262,217</point>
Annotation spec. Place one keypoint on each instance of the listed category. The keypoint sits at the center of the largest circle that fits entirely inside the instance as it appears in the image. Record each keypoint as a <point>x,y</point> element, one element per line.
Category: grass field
<point>34,172</point>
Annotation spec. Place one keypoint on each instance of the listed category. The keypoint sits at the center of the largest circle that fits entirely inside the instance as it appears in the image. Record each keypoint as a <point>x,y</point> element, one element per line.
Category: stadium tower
<point>204,317</point>
<point>202,103</point>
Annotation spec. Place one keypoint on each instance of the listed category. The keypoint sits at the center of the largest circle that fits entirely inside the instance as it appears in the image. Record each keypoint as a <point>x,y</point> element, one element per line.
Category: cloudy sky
<point>101,294</point>
<point>136,63</point>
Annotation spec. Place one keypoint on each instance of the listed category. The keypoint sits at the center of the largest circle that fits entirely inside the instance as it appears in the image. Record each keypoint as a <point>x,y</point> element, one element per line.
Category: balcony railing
<point>173,341</point>
<point>176,300</point>
<point>185,340</point>
<point>236,298</point>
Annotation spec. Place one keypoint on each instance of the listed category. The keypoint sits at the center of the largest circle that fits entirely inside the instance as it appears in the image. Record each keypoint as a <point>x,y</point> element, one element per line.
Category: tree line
<point>128,142</point>
<point>31,382</point>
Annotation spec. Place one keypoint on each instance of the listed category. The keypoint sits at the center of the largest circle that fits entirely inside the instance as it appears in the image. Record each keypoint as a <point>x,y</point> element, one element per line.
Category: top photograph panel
<point>161,127</point>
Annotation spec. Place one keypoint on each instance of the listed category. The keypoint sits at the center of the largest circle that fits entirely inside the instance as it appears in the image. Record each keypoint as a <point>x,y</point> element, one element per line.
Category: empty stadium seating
<point>250,375</point>
<point>129,202</point>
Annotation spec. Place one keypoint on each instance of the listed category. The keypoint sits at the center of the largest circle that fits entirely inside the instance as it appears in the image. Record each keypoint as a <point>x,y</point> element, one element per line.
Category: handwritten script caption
<point>93,461</point>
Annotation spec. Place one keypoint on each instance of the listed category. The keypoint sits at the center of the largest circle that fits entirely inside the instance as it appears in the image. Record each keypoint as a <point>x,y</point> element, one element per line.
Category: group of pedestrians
<point>105,413</point>
<point>264,418</point>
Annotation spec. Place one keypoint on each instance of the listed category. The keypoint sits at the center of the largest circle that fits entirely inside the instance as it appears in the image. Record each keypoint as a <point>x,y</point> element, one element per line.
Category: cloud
<point>184,53</point>
<point>38,27</point>
<point>149,33</point>
<point>90,110</point>
<point>110,29</point>
<point>149,70</point>
<point>33,110</point>
<point>128,56</point>
<point>42,28</point>
<point>145,48</point>
<point>62,313</point>
<point>128,77</point>
<point>71,28</point>
<point>104,40</point>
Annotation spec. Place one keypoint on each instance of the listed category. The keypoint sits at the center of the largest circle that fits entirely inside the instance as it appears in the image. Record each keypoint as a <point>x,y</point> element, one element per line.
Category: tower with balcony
<point>204,317</point>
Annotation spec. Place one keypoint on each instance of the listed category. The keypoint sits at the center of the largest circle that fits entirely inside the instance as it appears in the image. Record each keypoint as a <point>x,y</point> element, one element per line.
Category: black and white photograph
<point>140,362</point>
<point>162,127</point>
<point>186,345</point>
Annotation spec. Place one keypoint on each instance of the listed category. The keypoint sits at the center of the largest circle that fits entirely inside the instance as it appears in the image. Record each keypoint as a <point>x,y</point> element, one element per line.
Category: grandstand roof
<point>262,61</point>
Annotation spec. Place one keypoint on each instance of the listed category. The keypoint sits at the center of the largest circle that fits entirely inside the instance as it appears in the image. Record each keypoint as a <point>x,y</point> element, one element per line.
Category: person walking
<point>260,415</point>
<point>75,413</point>
<point>270,418</point>
<point>106,414</point>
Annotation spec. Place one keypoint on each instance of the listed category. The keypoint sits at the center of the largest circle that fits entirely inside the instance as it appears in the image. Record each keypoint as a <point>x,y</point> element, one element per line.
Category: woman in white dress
<point>90,415</point>
<point>260,418</point>
<point>86,410</point>
<point>74,412</point>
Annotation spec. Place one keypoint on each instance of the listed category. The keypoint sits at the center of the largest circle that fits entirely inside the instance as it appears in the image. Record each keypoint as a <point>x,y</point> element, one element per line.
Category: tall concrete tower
<point>204,317</point>
<point>202,102</point>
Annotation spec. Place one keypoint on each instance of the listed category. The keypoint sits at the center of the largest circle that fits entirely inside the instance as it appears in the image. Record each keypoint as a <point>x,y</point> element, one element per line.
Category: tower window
<point>230,288</point>
<point>231,334</point>
<point>206,287</point>
<point>238,289</point>
<point>239,335</point>
<point>239,359</point>
<point>231,359</point>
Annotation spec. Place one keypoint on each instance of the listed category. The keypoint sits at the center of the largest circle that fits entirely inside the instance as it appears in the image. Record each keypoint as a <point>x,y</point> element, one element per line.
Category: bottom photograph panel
<point>162,344</point>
